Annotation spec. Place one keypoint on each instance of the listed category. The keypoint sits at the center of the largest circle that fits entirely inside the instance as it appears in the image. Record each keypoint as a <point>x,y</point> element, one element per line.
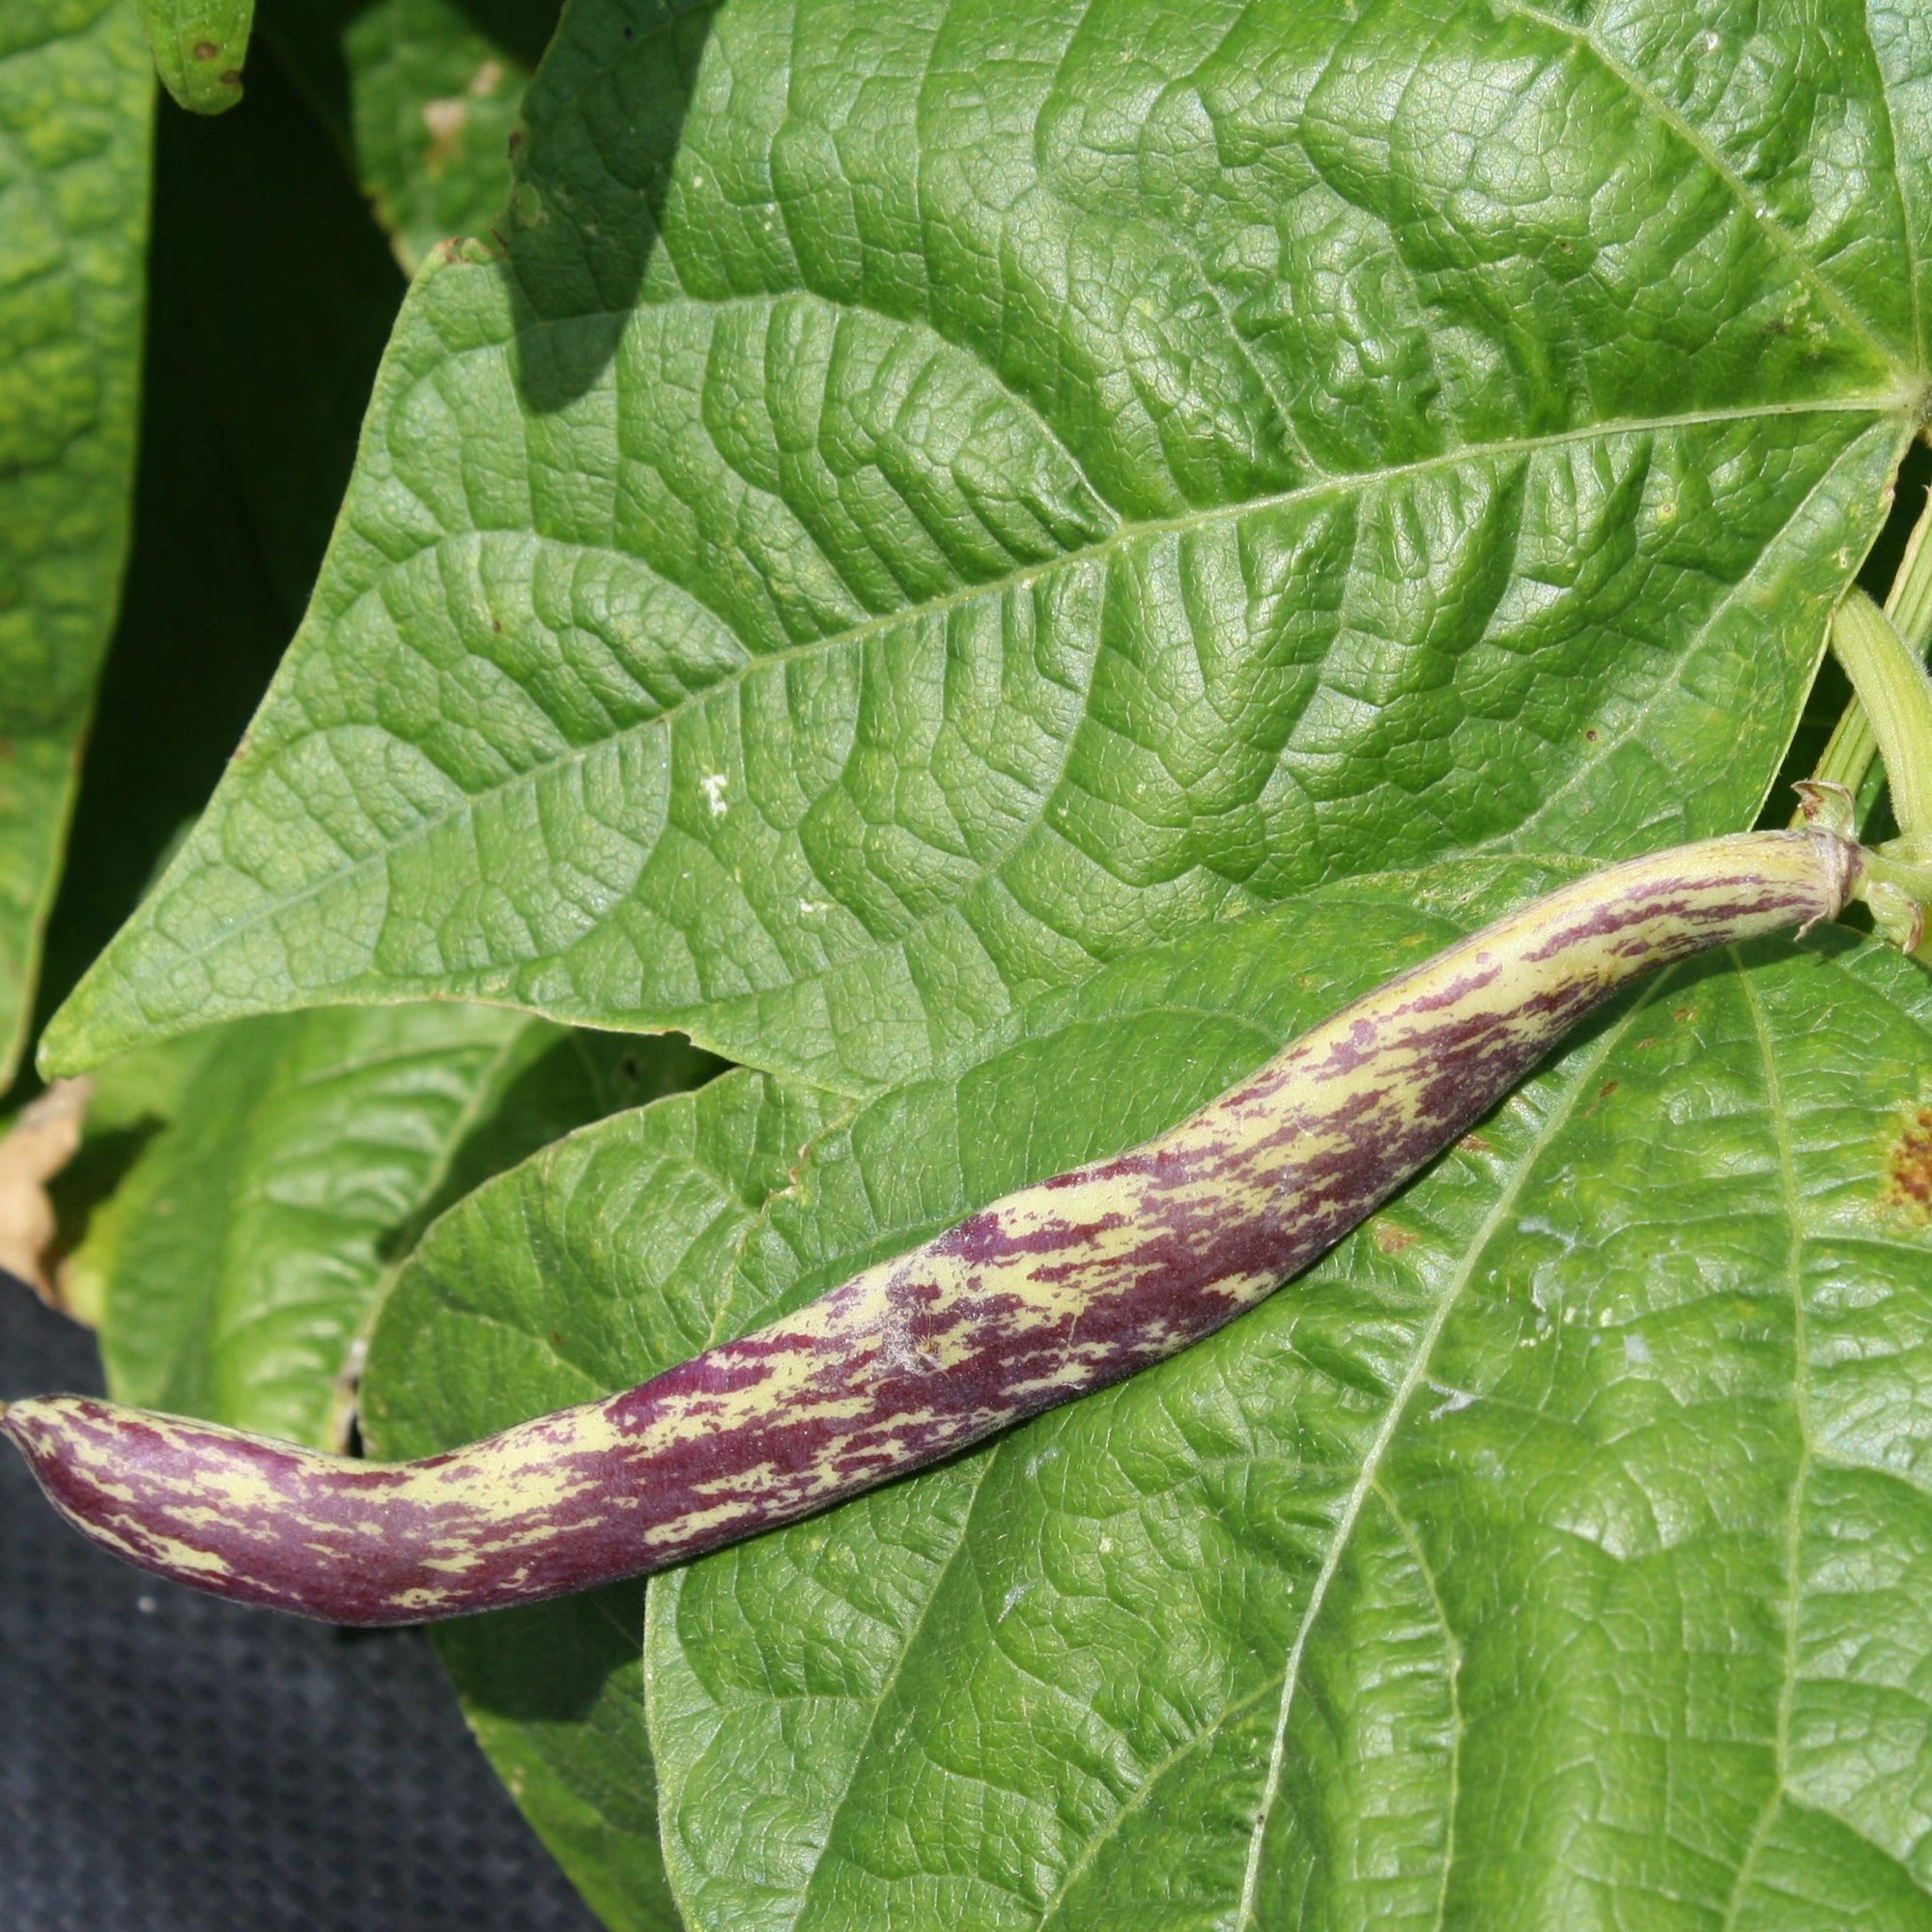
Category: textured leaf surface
<point>588,1268</point>
<point>1551,1556</point>
<point>251,1239</point>
<point>934,497</point>
<point>76,93</point>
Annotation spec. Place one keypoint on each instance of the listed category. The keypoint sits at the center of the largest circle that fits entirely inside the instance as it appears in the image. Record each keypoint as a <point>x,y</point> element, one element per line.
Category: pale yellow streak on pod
<point>188,1557</point>
<point>697,1521</point>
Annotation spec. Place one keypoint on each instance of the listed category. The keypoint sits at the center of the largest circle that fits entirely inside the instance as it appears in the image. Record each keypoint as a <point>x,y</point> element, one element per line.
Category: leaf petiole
<point>1853,744</point>
<point>1896,693</point>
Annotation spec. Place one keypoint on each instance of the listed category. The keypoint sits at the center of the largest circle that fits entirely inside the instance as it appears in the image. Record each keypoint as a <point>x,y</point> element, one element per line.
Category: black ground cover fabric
<point>171,1764</point>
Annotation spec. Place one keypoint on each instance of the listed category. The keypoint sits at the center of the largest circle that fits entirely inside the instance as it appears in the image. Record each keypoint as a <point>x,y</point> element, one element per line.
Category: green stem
<point>1853,744</point>
<point>1897,891</point>
<point>1896,695</point>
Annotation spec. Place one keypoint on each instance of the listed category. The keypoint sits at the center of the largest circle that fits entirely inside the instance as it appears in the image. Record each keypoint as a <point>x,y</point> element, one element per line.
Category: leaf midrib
<point>1793,1526</point>
<point>1413,1379</point>
<point>1773,230</point>
<point>1125,533</point>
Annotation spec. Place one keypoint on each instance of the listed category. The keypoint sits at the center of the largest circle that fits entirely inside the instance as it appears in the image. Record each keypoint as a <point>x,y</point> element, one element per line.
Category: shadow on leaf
<point>604,123</point>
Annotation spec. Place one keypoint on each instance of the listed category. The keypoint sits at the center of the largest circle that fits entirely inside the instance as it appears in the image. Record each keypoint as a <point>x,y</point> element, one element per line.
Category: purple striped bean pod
<point>1053,1291</point>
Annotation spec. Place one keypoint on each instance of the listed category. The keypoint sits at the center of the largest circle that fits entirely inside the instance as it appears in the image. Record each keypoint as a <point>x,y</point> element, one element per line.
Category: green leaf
<point>75,97</point>
<point>258,359</point>
<point>935,499</point>
<point>250,1241</point>
<point>596,1259</point>
<point>555,1698</point>
<point>199,47</point>
<point>437,103</point>
<point>1551,1555</point>
<point>427,95</point>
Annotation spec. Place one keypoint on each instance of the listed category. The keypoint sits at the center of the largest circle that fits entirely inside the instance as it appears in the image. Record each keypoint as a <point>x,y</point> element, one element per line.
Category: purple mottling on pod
<point>1053,1291</point>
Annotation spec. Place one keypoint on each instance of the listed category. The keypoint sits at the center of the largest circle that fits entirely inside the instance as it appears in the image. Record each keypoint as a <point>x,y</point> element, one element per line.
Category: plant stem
<point>1853,745</point>
<point>1897,696</point>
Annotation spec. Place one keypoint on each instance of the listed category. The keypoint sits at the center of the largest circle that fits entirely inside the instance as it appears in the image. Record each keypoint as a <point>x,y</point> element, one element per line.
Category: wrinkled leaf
<point>76,96</point>
<point>1550,1555</point>
<point>932,498</point>
<point>252,1235</point>
<point>529,1295</point>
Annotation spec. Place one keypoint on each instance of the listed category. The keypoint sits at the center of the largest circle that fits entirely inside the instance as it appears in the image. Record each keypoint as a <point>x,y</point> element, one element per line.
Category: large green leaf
<point>1546,1557</point>
<point>252,1235</point>
<point>932,497</point>
<point>75,98</point>
<point>533,1292</point>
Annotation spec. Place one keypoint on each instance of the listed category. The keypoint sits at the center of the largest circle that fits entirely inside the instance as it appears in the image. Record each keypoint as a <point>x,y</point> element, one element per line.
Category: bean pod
<point>1053,1291</point>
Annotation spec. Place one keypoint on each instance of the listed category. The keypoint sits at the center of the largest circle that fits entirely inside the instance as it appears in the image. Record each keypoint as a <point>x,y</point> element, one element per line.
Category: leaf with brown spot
<point>1906,1183</point>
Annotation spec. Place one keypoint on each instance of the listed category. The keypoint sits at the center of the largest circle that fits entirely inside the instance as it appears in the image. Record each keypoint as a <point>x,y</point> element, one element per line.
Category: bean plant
<point>738,626</point>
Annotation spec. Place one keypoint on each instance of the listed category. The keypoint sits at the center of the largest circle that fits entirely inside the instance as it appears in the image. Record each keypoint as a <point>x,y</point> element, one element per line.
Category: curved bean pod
<point>1053,1291</point>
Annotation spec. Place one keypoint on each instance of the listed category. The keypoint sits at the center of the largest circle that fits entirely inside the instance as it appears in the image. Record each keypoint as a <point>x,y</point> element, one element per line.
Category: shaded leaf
<point>426,95</point>
<point>258,362</point>
<point>251,1239</point>
<point>437,103</point>
<point>75,93</point>
<point>133,1098</point>
<point>555,1696</point>
<point>927,501</point>
<point>258,358</point>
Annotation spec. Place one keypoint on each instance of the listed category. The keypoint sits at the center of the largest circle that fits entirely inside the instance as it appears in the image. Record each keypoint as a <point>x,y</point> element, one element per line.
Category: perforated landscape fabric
<point>172,1764</point>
